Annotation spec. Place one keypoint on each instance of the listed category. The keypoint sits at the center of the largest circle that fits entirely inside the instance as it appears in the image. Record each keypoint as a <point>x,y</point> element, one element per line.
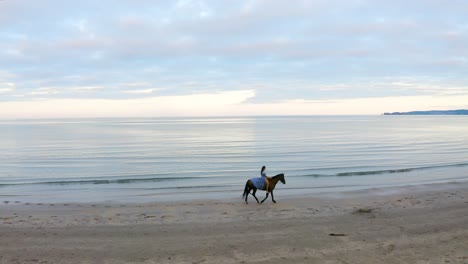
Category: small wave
<point>390,171</point>
<point>373,172</point>
<point>104,181</point>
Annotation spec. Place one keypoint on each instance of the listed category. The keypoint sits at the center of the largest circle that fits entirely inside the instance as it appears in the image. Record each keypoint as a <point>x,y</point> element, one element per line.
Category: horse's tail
<point>246,189</point>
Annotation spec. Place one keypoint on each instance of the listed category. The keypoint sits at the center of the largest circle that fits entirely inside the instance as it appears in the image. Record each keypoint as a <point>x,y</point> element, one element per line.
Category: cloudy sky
<point>208,58</point>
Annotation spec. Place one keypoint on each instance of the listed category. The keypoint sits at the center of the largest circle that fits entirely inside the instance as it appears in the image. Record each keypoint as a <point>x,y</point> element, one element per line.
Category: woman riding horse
<point>249,185</point>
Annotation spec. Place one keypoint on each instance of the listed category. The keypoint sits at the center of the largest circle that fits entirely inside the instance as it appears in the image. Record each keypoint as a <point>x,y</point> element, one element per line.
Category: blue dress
<point>259,182</point>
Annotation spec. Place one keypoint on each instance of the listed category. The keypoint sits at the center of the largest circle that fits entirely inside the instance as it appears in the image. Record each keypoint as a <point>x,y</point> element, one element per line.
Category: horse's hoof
<point>274,201</point>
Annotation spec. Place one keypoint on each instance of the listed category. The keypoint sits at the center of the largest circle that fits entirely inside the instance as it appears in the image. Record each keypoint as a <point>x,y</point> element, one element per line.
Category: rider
<point>267,179</point>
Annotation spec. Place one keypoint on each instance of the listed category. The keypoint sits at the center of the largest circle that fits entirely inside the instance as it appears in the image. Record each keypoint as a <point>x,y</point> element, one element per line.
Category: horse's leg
<point>265,197</point>
<point>272,198</point>
<point>253,194</point>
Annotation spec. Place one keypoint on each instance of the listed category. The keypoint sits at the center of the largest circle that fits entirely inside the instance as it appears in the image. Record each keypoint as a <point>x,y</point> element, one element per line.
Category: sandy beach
<point>416,224</point>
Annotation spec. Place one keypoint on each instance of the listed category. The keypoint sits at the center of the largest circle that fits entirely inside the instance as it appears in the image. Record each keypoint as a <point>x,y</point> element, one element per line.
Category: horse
<point>249,186</point>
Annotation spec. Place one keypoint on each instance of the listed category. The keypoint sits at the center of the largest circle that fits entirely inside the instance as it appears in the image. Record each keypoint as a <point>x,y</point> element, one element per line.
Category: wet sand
<point>419,224</point>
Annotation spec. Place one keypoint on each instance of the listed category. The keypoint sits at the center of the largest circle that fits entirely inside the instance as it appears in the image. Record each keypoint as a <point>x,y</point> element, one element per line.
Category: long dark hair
<point>263,168</point>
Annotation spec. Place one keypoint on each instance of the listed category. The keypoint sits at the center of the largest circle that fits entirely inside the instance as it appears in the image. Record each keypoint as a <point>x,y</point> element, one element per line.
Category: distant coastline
<point>432,112</point>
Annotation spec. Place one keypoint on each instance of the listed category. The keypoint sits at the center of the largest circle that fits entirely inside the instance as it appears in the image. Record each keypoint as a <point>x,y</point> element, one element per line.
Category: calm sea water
<point>151,159</point>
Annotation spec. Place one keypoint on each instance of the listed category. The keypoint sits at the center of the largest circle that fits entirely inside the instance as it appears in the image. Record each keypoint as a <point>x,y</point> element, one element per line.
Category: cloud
<point>87,88</point>
<point>7,87</point>
<point>144,91</point>
<point>81,25</point>
<point>45,91</point>
<point>6,90</point>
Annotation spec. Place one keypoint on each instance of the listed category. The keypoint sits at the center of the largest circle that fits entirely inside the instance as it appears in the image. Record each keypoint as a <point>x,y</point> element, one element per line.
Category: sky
<point>142,58</point>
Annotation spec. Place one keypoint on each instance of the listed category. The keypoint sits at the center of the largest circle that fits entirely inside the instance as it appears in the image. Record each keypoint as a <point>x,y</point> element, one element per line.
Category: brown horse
<point>274,180</point>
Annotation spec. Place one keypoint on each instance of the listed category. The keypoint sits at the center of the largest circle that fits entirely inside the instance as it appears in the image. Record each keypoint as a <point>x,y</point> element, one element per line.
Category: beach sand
<point>418,224</point>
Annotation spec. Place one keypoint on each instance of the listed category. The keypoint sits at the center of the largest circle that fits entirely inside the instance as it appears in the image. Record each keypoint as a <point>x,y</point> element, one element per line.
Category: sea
<point>172,159</point>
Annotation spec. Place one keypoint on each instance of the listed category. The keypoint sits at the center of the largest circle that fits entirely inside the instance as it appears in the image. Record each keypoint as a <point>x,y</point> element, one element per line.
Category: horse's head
<point>281,178</point>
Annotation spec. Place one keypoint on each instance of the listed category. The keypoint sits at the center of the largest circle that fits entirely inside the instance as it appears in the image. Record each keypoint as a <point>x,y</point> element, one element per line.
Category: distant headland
<point>432,112</point>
